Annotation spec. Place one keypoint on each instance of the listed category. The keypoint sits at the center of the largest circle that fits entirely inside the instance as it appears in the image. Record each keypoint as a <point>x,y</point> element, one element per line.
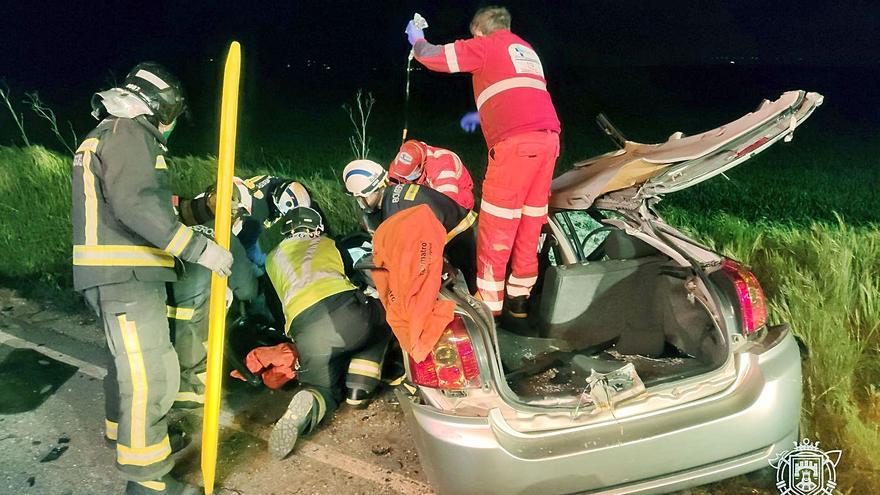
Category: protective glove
<point>470,121</point>
<point>216,259</point>
<point>414,33</point>
<point>256,255</point>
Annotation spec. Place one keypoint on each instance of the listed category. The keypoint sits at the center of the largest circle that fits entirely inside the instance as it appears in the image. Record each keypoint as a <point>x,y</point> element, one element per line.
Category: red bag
<point>275,365</point>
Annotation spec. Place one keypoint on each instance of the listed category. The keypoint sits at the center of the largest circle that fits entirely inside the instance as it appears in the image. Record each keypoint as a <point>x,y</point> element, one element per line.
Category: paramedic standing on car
<point>522,133</point>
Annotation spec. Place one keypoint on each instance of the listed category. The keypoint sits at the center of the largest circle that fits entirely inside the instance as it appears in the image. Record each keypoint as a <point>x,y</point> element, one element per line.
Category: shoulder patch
<point>160,162</point>
<point>411,192</point>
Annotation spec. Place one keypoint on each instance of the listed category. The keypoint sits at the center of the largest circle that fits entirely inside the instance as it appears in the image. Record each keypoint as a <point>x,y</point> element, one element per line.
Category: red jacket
<point>508,78</point>
<point>444,172</point>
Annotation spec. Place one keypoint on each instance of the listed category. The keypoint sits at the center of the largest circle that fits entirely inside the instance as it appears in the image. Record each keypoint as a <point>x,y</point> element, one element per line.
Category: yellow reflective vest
<point>304,272</point>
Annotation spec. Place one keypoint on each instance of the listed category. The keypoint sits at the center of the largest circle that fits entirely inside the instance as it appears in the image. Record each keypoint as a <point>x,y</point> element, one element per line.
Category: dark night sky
<point>46,45</point>
<point>308,56</point>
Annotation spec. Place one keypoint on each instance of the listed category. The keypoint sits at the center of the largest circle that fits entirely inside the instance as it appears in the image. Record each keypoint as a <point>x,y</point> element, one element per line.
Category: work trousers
<point>512,212</point>
<point>142,378</point>
<point>337,334</point>
<point>189,329</point>
<point>461,252</point>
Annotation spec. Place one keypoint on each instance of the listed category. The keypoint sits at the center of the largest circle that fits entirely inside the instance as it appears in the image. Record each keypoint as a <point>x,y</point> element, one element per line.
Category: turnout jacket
<point>123,221</point>
<point>453,217</point>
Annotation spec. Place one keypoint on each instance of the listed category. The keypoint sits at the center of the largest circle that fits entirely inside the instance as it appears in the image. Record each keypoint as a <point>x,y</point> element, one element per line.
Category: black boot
<point>518,307</point>
<point>358,398</point>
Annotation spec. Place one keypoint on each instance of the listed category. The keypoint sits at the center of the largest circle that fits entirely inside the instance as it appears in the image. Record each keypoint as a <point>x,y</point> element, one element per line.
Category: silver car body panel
<point>697,442</point>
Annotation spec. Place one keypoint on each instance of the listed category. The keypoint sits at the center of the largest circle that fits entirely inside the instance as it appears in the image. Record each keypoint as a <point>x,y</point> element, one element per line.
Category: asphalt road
<point>51,438</point>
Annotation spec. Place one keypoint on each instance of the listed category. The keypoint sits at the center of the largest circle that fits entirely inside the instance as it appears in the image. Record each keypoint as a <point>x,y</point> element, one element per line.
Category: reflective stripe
<point>179,313</point>
<point>497,211</point>
<point>522,281</point>
<point>153,485</point>
<point>322,405</point>
<point>451,188</point>
<point>447,174</point>
<point>203,376</point>
<point>111,430</point>
<point>152,78</point>
<point>139,385</point>
<point>494,305</point>
<point>534,211</point>
<point>91,199</point>
<point>121,256</point>
<point>355,402</point>
<point>463,225</point>
<point>411,192</point>
<point>160,163</point>
<point>365,367</point>
<point>90,144</point>
<point>516,290</point>
<point>143,456</point>
<point>190,397</point>
<point>451,57</point>
<point>505,84</point>
<point>180,240</point>
<point>494,285</point>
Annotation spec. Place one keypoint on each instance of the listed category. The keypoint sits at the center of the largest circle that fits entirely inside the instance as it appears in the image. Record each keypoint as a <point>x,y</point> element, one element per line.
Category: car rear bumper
<point>759,417</point>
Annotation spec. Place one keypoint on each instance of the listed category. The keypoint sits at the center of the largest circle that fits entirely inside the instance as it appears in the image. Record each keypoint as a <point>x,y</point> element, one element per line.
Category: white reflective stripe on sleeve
<point>153,78</point>
<point>522,282</point>
<point>496,285</point>
<point>497,211</point>
<point>504,85</point>
<point>451,57</point>
<point>447,174</point>
<point>534,211</point>
<point>450,188</point>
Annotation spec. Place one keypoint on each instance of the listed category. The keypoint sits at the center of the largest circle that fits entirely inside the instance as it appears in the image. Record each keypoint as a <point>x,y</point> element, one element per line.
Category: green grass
<point>820,276</point>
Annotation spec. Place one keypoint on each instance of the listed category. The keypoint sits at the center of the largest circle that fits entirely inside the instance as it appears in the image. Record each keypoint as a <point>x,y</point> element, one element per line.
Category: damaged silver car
<point>648,365</point>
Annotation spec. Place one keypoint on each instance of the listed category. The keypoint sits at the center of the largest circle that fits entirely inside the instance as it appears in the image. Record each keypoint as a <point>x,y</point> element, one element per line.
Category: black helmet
<point>302,220</point>
<point>159,89</point>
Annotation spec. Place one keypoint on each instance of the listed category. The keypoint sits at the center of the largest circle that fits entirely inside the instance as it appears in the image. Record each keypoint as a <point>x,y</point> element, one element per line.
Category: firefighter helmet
<point>159,89</point>
<point>409,164</point>
<point>302,221</point>
<point>363,177</point>
<point>289,195</point>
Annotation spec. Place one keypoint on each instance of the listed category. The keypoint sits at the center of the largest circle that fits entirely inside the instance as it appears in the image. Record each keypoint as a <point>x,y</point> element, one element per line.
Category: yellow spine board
<point>222,232</point>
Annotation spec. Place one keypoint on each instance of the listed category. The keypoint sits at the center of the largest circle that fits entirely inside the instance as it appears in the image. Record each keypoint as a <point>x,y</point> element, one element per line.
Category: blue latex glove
<point>256,255</point>
<point>414,33</point>
<point>470,121</point>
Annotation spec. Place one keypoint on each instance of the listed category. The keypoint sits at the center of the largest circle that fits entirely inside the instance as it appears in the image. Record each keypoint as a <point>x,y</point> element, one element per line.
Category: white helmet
<point>290,195</point>
<point>363,177</point>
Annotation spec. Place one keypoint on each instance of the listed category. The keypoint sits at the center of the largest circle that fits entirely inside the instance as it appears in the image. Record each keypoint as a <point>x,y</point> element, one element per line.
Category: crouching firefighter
<point>126,237</point>
<point>333,326</point>
<point>367,181</point>
<point>188,303</point>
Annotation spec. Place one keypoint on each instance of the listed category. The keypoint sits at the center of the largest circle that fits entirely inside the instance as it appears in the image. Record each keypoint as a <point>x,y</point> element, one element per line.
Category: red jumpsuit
<point>521,129</point>
<point>442,171</point>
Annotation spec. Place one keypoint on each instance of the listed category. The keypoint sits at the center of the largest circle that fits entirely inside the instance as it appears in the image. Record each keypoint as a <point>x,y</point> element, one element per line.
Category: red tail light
<point>452,364</point>
<point>752,304</point>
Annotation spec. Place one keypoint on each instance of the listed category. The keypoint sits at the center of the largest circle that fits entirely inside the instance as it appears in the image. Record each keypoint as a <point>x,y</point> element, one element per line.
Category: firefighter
<point>367,181</point>
<point>188,303</point>
<point>334,327</point>
<point>260,201</point>
<point>521,130</point>
<point>125,241</point>
<point>437,168</point>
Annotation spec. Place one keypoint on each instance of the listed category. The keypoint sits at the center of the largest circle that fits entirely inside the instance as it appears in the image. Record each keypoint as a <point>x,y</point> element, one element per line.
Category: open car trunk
<point>632,306</point>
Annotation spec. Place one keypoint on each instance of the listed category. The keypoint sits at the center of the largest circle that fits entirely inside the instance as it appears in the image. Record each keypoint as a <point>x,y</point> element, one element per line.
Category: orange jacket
<point>408,249</point>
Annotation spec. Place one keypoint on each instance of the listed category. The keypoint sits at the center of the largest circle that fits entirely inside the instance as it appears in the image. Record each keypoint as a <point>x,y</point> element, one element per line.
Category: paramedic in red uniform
<point>522,133</point>
<point>437,168</point>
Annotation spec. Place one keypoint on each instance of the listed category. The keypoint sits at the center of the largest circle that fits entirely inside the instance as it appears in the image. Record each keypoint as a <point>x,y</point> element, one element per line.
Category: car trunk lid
<point>682,162</point>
